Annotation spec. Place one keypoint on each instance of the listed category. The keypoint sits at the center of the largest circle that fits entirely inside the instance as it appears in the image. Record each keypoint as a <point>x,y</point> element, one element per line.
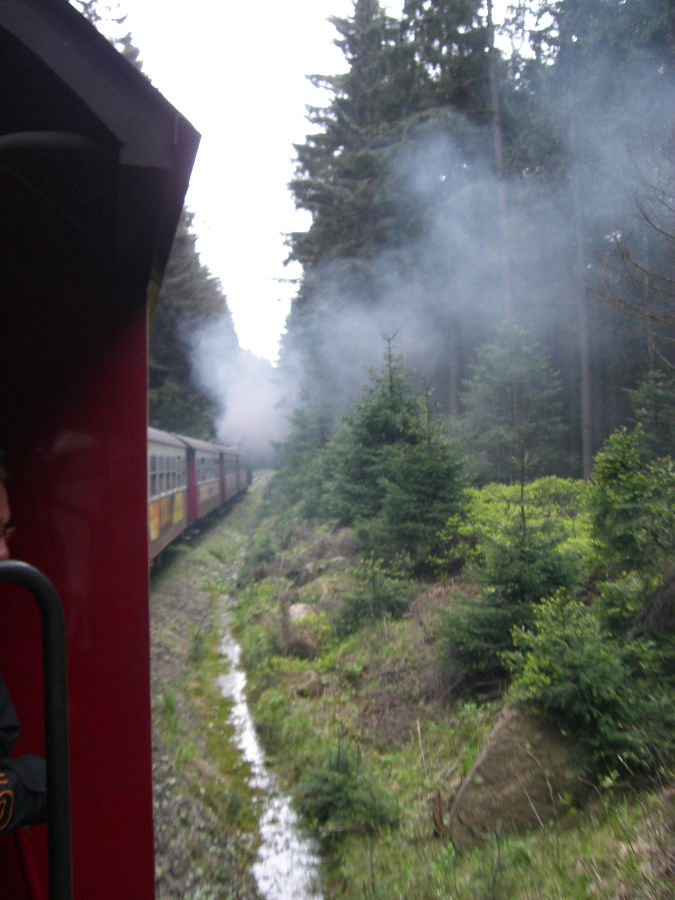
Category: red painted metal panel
<point>193,492</point>
<point>79,501</point>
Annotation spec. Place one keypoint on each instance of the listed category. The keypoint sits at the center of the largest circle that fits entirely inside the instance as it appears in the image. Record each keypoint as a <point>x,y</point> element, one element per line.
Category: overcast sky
<point>238,72</point>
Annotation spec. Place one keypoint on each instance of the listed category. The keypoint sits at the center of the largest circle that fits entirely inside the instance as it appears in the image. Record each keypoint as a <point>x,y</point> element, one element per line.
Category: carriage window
<point>153,475</point>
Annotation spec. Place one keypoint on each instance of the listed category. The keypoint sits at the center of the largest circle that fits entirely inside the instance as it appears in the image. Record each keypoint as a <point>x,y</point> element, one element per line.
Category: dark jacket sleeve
<point>9,724</point>
<point>23,792</point>
<point>23,781</point>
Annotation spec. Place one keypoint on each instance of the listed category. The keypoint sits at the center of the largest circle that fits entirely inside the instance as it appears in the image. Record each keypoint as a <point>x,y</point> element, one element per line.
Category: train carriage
<point>94,166</point>
<point>235,473</point>
<point>167,489</point>
<point>206,488</point>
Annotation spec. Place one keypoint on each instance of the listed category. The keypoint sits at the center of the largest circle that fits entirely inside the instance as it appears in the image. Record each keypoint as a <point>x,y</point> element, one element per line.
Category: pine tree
<point>511,411</point>
<point>190,296</point>
<point>450,42</point>
<point>579,43</point>
<point>390,471</point>
<point>340,167</point>
<point>108,18</point>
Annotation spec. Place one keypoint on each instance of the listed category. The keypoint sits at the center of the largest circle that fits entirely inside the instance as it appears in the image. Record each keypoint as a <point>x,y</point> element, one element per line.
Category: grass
<point>383,694</point>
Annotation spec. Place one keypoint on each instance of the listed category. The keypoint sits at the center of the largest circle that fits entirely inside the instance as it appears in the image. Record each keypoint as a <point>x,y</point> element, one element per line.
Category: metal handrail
<point>56,721</point>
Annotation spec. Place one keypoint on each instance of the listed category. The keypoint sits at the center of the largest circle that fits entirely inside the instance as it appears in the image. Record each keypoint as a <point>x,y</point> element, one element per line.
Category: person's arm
<point>9,724</point>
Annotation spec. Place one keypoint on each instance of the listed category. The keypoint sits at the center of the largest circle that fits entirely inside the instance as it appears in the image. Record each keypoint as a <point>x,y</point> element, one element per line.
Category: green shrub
<point>297,480</point>
<point>632,506</point>
<point>511,409</point>
<point>546,501</point>
<point>474,633</point>
<point>612,696</point>
<point>340,793</point>
<point>423,489</point>
<point>377,596</point>
<point>527,563</point>
<point>522,566</point>
<point>551,503</point>
<point>618,602</point>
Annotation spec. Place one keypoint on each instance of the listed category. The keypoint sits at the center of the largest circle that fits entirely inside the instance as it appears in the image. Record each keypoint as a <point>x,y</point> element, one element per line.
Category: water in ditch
<point>287,866</point>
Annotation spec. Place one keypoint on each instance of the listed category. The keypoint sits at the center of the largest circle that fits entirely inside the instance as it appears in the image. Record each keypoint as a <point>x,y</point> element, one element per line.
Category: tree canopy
<point>454,186</point>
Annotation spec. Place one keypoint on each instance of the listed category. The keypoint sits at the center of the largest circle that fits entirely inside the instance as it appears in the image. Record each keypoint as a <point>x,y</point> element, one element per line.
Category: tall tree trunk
<point>582,300</point>
<point>498,140</point>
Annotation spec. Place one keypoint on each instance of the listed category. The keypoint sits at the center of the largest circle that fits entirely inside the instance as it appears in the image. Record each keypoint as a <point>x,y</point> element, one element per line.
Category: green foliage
<point>341,794</point>
<point>377,595</point>
<point>548,503</point>
<point>568,664</point>
<point>298,479</point>
<point>376,695</point>
<point>511,411</point>
<point>390,471</point>
<point>449,38</point>
<point>618,602</point>
<point>653,405</point>
<point>339,168</point>
<point>526,562</point>
<point>190,296</point>
<point>422,490</point>
<point>632,506</point>
<point>361,455</point>
<point>474,633</point>
<point>521,565</point>
<point>179,408</point>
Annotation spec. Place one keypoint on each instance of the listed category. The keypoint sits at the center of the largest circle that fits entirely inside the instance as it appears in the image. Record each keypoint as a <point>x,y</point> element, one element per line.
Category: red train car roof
<point>96,138</point>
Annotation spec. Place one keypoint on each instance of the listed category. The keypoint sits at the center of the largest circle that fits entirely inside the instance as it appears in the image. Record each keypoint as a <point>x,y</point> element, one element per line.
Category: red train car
<point>168,505</point>
<point>187,479</point>
<point>94,165</point>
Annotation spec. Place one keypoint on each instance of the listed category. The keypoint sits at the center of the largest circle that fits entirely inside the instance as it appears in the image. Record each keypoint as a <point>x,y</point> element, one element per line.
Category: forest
<point>473,502</point>
<point>508,215</point>
<point>472,511</point>
<point>500,199</point>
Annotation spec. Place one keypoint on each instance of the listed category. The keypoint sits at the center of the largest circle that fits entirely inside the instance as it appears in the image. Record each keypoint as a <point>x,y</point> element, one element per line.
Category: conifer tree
<point>190,296</point>
<point>579,42</point>
<point>390,471</point>
<point>340,167</point>
<point>450,43</point>
<point>511,411</point>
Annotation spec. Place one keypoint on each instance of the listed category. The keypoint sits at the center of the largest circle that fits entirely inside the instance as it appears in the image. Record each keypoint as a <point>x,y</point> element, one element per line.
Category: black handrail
<point>56,721</point>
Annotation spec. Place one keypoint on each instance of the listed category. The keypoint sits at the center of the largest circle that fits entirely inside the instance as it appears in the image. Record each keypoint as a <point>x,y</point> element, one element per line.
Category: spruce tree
<point>390,471</point>
<point>340,166</point>
<point>190,296</point>
<point>511,411</point>
<point>450,43</point>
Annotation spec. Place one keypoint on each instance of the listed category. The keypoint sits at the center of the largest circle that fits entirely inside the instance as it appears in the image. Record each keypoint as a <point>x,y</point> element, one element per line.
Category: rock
<point>298,638</point>
<point>524,768</point>
<point>299,611</point>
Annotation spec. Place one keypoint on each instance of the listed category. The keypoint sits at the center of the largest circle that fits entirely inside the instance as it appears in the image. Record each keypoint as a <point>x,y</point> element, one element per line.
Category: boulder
<point>298,639</point>
<point>524,769</point>
<point>299,611</point>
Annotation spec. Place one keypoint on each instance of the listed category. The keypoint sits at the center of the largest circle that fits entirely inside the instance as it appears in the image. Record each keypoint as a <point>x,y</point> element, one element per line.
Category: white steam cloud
<point>440,288</point>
